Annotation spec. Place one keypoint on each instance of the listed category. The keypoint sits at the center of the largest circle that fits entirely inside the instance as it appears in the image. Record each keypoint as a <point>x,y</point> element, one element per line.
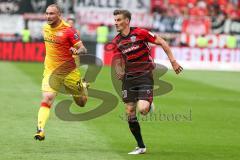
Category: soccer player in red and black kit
<point>133,65</point>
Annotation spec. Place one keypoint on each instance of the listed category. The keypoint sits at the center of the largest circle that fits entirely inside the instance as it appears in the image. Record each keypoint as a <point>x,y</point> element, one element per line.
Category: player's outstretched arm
<point>159,41</point>
<point>78,49</point>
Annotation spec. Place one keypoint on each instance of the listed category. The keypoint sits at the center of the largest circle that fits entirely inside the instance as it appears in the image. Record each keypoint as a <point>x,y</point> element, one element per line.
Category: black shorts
<point>137,87</point>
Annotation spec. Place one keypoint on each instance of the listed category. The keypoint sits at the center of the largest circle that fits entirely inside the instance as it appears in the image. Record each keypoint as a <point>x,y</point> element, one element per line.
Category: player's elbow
<point>161,42</point>
<point>85,50</point>
<point>82,50</point>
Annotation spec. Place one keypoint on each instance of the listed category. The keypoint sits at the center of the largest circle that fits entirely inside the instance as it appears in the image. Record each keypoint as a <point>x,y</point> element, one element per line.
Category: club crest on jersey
<point>133,38</point>
<point>76,37</point>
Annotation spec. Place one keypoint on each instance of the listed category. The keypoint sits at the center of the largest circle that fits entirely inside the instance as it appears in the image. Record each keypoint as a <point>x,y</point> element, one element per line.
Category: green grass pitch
<point>212,133</point>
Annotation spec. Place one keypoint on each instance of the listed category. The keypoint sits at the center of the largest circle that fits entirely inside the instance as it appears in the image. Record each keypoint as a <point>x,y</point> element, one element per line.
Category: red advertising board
<point>190,58</point>
<point>18,51</point>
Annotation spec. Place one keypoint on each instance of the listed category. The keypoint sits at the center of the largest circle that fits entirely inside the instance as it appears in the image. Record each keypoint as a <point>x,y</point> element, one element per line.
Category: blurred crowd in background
<point>211,8</point>
<point>191,23</point>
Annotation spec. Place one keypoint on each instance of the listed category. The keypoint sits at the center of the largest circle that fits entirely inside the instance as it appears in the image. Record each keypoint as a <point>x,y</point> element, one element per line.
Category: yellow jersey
<point>58,41</point>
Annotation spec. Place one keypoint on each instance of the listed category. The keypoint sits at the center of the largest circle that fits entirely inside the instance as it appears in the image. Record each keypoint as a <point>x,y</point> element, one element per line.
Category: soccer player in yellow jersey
<point>63,46</point>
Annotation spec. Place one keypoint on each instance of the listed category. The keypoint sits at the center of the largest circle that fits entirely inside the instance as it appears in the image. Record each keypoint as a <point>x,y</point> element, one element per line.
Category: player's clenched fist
<point>176,67</point>
<point>74,51</point>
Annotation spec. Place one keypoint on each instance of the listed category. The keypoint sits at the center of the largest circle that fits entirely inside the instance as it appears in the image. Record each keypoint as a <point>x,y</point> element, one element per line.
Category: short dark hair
<point>124,12</point>
<point>56,6</point>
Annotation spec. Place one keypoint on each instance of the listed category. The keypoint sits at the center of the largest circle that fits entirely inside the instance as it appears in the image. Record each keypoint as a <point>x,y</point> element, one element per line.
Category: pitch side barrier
<point>30,52</point>
<point>189,58</point>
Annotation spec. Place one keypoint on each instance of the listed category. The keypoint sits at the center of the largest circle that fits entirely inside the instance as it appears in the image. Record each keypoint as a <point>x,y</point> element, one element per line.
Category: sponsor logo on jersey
<point>76,37</point>
<point>130,49</point>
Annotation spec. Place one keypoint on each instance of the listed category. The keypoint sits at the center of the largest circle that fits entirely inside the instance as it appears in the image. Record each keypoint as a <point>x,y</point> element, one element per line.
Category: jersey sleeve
<point>117,56</point>
<point>73,36</point>
<point>149,36</point>
<point>116,51</point>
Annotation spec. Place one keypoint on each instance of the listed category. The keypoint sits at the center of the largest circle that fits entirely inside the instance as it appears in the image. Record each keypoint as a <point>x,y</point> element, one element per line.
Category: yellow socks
<point>43,115</point>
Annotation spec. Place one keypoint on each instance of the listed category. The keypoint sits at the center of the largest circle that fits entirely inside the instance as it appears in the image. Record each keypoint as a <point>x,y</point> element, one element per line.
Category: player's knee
<point>81,102</point>
<point>144,110</point>
<point>143,106</point>
<point>48,99</point>
<point>130,111</point>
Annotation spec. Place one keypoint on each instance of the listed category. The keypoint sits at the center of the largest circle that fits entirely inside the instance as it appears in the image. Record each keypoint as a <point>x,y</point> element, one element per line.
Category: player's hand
<point>74,51</point>
<point>176,67</point>
<point>120,75</point>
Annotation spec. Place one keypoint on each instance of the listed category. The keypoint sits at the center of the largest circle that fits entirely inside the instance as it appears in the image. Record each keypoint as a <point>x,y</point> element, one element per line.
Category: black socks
<point>136,130</point>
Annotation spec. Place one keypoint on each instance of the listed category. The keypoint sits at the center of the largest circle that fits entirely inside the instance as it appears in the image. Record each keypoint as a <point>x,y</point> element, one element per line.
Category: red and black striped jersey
<point>134,50</point>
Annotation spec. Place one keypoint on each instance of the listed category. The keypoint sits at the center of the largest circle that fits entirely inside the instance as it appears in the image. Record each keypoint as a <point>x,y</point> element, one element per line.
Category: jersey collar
<point>60,24</point>
<point>131,28</point>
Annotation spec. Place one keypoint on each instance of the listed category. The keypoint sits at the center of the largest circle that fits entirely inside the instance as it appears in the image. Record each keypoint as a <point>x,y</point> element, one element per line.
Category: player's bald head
<point>55,7</point>
<point>53,15</point>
